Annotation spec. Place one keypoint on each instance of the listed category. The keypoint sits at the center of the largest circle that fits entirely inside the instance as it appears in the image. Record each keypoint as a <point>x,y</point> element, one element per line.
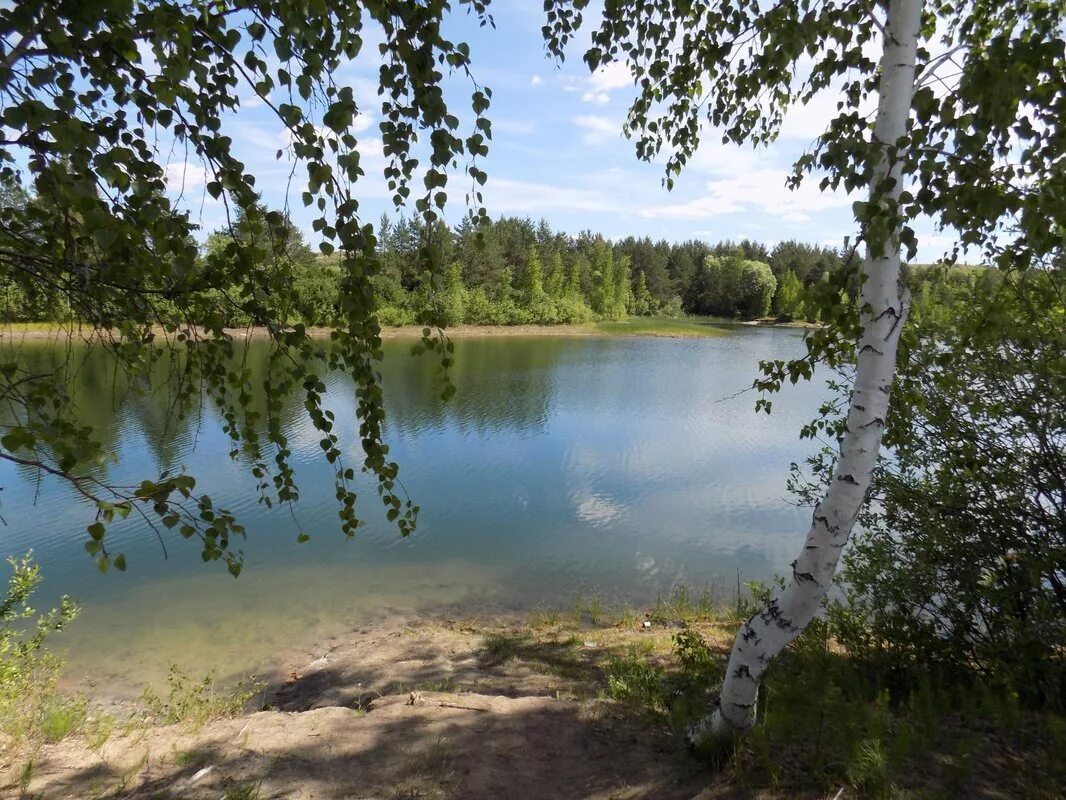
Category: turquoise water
<point>563,466</point>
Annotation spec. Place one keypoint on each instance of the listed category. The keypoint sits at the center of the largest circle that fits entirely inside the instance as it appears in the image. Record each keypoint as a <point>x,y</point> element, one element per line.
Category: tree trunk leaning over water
<point>882,312</point>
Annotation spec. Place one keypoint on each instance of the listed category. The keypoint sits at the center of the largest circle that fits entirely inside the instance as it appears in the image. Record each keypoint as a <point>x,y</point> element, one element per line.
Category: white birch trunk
<point>882,312</point>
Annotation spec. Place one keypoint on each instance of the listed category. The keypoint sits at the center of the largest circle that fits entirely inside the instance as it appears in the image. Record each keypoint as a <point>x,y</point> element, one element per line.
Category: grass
<point>40,327</point>
<point>687,605</point>
<point>681,327</point>
<point>826,721</point>
<point>192,758</point>
<point>197,702</point>
<point>429,775</point>
<point>244,791</point>
<point>631,677</point>
<point>62,716</point>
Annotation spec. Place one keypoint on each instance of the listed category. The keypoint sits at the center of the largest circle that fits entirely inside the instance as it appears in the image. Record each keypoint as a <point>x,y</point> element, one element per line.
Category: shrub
<point>672,308</point>
<point>788,301</point>
<point>317,290</point>
<point>30,704</point>
<point>573,310</point>
<point>960,568</point>
<point>198,701</point>
<point>731,285</point>
<point>631,678</point>
<point>395,316</point>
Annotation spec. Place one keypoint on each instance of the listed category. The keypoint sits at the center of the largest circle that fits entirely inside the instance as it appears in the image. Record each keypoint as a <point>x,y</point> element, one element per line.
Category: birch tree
<point>948,110</point>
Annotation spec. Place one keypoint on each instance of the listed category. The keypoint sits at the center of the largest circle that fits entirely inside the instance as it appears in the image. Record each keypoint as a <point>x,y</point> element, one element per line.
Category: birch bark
<point>882,311</point>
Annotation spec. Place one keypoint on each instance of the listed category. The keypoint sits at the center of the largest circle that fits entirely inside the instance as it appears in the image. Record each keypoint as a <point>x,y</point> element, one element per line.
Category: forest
<point>509,271</point>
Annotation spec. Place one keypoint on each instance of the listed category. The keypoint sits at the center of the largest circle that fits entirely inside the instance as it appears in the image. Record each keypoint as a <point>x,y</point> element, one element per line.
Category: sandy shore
<point>438,709</point>
<point>47,332</point>
<point>27,331</point>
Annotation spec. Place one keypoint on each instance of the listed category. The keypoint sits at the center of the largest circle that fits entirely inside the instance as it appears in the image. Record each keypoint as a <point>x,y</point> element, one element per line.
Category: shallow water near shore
<point>564,466</point>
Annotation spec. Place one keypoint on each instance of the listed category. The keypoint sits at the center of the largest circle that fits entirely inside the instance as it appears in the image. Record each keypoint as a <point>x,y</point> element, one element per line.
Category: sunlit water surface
<point>564,466</point>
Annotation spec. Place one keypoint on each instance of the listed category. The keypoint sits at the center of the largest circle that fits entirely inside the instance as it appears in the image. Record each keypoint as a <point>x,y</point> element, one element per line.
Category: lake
<point>563,467</point>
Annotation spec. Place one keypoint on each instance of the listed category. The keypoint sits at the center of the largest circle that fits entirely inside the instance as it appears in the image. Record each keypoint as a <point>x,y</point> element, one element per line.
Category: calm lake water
<point>562,467</point>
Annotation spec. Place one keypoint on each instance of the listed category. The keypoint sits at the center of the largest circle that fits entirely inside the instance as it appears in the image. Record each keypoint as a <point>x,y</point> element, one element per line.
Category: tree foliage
<point>28,672</point>
<point>89,91</point>
<point>731,285</point>
<point>962,562</point>
<point>983,146</point>
<point>788,300</point>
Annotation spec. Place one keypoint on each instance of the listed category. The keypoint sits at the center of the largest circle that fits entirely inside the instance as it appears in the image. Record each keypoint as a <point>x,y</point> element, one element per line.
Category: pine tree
<point>534,283</point>
<point>642,299</point>
<point>622,296</point>
<point>604,283</point>
<point>557,277</point>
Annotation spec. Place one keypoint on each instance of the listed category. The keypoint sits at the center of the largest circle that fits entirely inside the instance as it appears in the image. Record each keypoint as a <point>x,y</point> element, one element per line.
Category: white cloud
<point>535,80</point>
<point>267,141</point>
<point>714,158</point>
<point>762,190</point>
<point>183,176</point>
<point>598,129</point>
<point>362,121</point>
<point>503,195</point>
<point>599,98</point>
<point>810,121</point>
<point>598,86</point>
<point>615,75</point>
<point>936,245</point>
<point>596,510</point>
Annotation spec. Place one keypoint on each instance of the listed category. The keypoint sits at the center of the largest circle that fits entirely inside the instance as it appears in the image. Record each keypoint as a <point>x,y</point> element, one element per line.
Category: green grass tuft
<point>197,702</point>
<point>681,327</point>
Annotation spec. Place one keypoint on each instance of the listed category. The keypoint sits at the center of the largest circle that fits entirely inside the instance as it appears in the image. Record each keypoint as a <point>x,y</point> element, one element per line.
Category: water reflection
<point>562,465</point>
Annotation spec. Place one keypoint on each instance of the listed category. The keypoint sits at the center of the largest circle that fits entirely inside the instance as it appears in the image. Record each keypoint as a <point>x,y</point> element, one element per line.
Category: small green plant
<point>627,617</point>
<point>97,729</point>
<point>700,665</point>
<point>869,768</point>
<point>61,716</point>
<point>30,703</point>
<point>544,617</point>
<point>631,678</point>
<point>686,605</point>
<point>191,758</point>
<point>437,685</point>
<point>501,647</point>
<point>588,609</point>
<point>25,776</point>
<point>198,701</point>
<point>245,791</point>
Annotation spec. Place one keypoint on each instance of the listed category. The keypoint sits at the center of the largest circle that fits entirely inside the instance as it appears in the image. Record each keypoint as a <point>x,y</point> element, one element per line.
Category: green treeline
<point>512,271</point>
<point>516,271</point>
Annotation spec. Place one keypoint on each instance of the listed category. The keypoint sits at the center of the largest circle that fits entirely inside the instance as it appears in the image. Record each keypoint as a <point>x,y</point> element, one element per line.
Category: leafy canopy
<point>94,96</point>
<point>984,143</point>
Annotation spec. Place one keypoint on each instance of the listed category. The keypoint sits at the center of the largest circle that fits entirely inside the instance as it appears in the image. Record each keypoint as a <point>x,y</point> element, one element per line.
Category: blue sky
<point>558,153</point>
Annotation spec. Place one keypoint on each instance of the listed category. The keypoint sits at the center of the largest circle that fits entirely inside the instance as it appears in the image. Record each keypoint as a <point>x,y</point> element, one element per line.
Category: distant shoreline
<point>680,328</point>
